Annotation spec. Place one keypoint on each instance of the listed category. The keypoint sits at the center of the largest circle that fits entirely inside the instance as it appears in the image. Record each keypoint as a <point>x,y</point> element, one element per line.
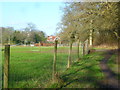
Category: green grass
<point>31,67</point>
<point>84,74</point>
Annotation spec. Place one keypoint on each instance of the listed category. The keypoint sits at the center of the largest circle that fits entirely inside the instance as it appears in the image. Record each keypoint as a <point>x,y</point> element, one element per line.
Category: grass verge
<point>83,74</point>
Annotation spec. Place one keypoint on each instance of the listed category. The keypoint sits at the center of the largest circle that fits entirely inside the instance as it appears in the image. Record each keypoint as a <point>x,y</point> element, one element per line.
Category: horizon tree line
<point>28,35</point>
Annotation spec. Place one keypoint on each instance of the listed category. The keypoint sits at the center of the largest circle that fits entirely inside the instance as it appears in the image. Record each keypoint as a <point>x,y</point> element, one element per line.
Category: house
<point>52,38</point>
<point>50,41</point>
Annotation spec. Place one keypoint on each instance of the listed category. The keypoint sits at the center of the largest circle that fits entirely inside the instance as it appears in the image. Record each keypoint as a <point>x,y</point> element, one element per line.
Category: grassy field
<point>31,67</point>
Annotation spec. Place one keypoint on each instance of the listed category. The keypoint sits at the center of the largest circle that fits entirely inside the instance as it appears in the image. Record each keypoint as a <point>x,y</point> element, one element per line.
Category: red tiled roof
<point>51,38</point>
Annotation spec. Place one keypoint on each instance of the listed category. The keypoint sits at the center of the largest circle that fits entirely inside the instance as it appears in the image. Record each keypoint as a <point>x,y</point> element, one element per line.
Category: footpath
<point>110,81</point>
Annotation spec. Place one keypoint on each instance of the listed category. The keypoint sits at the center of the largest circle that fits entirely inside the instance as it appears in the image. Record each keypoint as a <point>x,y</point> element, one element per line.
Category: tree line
<point>90,24</point>
<point>28,35</point>
<point>96,21</point>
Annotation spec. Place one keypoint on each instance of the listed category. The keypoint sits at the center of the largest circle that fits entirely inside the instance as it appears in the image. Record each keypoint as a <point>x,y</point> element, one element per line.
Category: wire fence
<point>32,67</point>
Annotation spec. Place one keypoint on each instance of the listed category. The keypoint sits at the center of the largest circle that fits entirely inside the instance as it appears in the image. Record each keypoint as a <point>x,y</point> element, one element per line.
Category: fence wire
<point>31,66</point>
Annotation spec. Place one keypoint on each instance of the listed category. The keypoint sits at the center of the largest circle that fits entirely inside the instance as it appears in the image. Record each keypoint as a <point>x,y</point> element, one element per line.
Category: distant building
<point>52,38</point>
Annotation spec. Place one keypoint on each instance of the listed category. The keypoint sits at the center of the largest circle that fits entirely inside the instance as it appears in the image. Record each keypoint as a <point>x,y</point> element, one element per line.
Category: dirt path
<point>110,81</point>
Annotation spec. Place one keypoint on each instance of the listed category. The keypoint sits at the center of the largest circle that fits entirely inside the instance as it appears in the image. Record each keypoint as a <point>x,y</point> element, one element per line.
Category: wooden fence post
<point>54,61</point>
<point>6,65</point>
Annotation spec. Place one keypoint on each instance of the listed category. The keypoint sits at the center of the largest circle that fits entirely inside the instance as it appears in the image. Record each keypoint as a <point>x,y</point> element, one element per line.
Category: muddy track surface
<point>110,81</point>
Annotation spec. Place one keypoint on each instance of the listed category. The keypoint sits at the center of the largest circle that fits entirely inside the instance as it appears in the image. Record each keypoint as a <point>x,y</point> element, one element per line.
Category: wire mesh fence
<point>32,67</point>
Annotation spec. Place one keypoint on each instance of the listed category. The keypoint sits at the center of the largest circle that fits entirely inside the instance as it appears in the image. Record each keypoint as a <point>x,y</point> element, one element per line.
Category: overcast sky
<point>45,15</point>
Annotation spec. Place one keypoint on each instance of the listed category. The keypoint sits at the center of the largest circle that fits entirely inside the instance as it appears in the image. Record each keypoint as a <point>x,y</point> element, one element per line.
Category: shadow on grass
<point>88,77</point>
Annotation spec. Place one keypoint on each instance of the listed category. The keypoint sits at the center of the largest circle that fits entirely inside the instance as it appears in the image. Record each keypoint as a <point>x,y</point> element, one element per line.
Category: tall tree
<point>90,19</point>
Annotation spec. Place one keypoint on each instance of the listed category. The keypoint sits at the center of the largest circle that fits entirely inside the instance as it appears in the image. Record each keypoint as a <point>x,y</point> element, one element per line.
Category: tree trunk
<point>83,49</point>
<point>91,38</point>
<point>78,50</point>
<point>91,35</point>
<point>54,61</point>
<point>86,47</point>
<point>9,40</point>
<point>118,51</point>
<point>69,57</point>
